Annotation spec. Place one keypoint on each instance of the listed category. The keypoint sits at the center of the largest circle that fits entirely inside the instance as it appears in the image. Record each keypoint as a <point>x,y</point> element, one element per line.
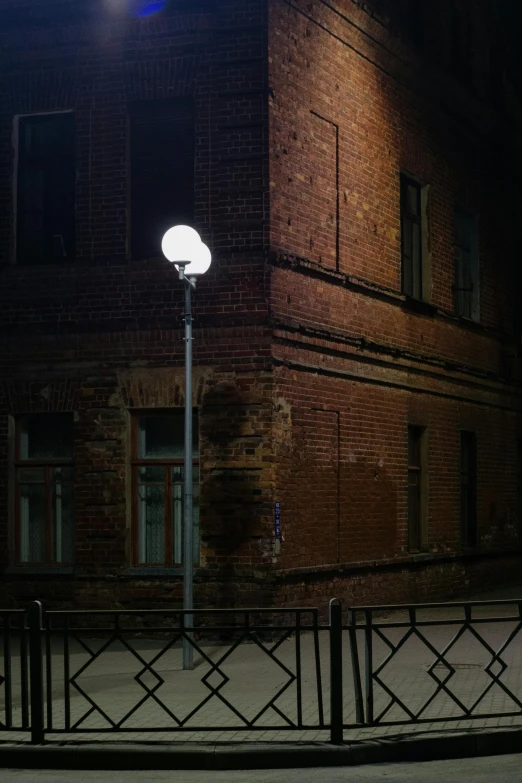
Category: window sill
<point>470,323</point>
<point>418,306</point>
<point>39,570</point>
<point>154,571</point>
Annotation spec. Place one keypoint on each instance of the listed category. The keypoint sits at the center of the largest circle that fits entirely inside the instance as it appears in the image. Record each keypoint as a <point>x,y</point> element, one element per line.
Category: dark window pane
<point>151,514</point>
<point>466,265</point>
<point>414,446</point>
<point>152,475</point>
<point>411,239</point>
<point>162,171</point>
<point>45,508</point>
<point>160,522</point>
<point>32,523</point>
<point>46,436</point>
<point>177,514</point>
<point>46,188</point>
<point>63,510</point>
<point>416,261</point>
<point>407,239</point>
<point>412,204</point>
<point>414,518</point>
<point>163,436</point>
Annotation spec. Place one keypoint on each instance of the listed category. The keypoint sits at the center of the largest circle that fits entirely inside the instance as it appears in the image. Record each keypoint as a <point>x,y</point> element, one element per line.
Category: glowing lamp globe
<point>182,245</point>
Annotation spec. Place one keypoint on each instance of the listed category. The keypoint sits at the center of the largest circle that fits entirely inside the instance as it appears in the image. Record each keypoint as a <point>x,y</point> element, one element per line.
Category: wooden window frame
<point>47,465</point>
<point>167,463</point>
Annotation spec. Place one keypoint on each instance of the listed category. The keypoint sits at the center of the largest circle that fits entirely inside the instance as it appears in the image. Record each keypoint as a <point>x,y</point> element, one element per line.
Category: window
<point>467,298</point>
<point>157,465</point>
<point>468,488</point>
<point>44,489</point>
<point>416,488</point>
<point>45,189</point>
<point>162,171</point>
<point>411,238</point>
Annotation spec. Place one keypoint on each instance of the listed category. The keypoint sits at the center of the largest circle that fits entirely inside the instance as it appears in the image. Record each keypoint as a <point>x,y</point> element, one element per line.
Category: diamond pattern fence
<point>112,673</point>
<point>430,663</point>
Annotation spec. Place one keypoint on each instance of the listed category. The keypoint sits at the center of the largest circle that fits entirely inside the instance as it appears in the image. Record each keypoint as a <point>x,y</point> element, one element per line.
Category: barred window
<point>157,492</point>
<point>44,489</point>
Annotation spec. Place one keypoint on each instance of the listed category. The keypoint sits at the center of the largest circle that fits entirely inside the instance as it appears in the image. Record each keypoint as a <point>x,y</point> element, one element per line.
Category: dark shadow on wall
<point>234,513</point>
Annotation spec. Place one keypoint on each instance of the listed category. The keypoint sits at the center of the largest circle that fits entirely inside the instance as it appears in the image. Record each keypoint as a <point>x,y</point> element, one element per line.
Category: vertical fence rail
<point>356,669</point>
<point>48,677</point>
<point>317,656</point>
<point>336,673</point>
<point>24,673</point>
<point>368,665</point>
<point>7,672</point>
<point>298,668</point>
<point>35,617</point>
<point>66,673</point>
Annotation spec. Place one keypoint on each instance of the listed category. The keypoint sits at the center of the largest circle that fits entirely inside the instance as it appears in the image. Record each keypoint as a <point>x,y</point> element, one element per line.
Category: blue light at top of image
<point>149,7</point>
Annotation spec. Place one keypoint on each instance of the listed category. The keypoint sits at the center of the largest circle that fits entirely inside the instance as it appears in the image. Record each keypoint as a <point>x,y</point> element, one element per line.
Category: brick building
<point>354,168</point>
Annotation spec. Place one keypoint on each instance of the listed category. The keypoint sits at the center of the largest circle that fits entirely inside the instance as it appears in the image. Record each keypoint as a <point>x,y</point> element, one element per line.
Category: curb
<point>269,756</point>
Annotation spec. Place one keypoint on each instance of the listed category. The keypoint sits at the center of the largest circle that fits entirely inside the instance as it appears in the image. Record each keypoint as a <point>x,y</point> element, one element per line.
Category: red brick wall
<point>300,143</point>
<point>103,336</point>
<point>352,106</point>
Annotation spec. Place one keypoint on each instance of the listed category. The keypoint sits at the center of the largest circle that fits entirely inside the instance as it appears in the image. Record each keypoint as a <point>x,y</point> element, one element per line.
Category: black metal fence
<point>481,639</point>
<point>256,670</point>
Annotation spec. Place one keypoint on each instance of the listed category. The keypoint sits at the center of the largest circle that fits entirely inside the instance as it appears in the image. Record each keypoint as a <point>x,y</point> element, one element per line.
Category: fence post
<point>35,616</point>
<point>336,673</point>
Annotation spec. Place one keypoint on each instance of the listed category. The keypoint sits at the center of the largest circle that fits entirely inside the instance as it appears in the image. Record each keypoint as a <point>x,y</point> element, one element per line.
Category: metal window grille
<point>158,473</point>
<point>44,489</point>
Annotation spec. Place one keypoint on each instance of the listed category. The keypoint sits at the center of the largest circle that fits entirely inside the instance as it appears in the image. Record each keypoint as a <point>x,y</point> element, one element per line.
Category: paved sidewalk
<point>250,679</point>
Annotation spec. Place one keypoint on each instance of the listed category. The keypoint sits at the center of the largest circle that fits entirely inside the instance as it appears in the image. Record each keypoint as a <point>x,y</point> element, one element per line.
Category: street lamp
<point>182,246</point>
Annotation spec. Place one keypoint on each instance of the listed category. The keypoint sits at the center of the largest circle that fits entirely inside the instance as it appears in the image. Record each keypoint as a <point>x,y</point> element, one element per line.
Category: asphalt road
<point>492,769</point>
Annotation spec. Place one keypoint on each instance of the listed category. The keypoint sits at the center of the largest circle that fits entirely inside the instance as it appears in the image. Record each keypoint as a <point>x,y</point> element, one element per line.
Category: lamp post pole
<point>188,557</point>
<point>182,246</point>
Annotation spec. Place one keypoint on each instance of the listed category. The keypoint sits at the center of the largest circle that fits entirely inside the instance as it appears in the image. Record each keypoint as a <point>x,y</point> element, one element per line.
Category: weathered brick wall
<point>95,65</point>
<point>102,336</point>
<point>352,105</point>
<point>343,468</point>
<point>235,412</point>
<point>419,582</point>
<point>310,111</point>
